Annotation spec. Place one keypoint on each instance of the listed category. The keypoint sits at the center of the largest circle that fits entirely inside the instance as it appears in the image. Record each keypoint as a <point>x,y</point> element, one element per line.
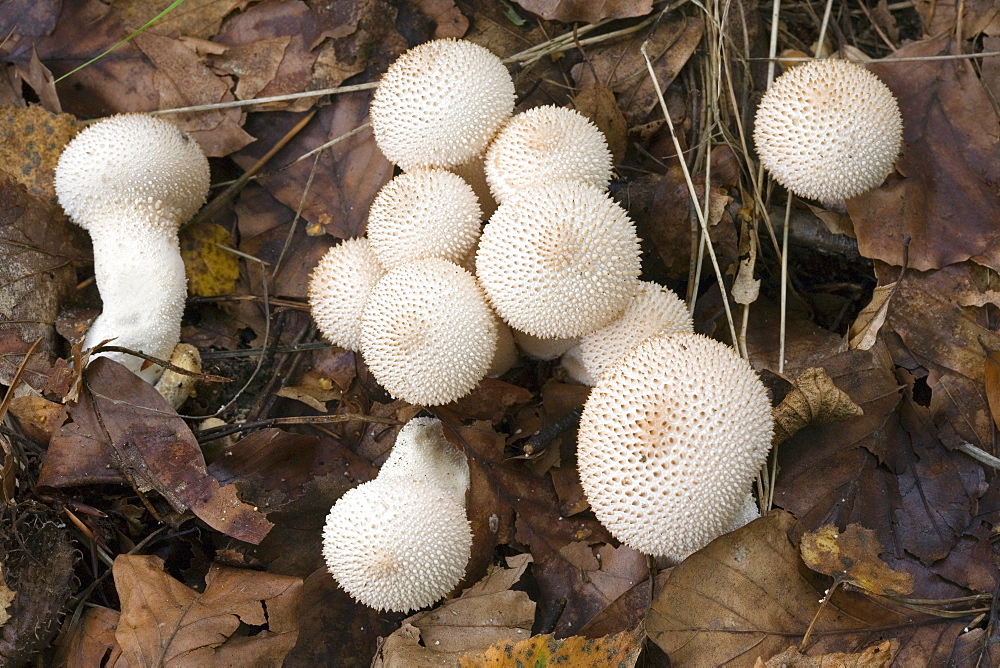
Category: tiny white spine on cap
<point>131,181</point>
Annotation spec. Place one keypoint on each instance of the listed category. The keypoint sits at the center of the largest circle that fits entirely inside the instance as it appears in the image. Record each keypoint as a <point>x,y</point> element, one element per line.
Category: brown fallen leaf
<point>6,598</point>
<point>586,11</point>
<point>747,594</point>
<point>991,378</point>
<point>813,400</point>
<point>163,621</point>
<point>448,19</point>
<point>876,656</point>
<point>598,103</point>
<point>617,651</point>
<point>211,271</point>
<point>866,326</point>
<point>91,641</point>
<point>31,140</point>
<point>38,416</point>
<point>486,613</point>
<point>852,556</point>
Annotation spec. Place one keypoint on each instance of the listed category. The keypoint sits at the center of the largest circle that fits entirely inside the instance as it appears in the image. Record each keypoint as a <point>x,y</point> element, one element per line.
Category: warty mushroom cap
<point>828,130</point>
<point>653,310</point>
<point>440,103</point>
<point>427,334</point>
<point>669,441</point>
<point>128,170</point>
<point>338,289</point>
<point>397,544</point>
<point>424,213</point>
<point>546,144</point>
<point>559,260</point>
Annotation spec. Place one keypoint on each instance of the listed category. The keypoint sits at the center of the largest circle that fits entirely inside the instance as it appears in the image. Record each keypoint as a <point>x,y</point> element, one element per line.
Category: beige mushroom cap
<point>546,144</point>
<point>131,168</point>
<point>427,333</point>
<point>421,452</point>
<point>559,260</point>
<point>424,213</point>
<point>338,289</point>
<point>440,103</point>
<point>828,130</point>
<point>398,544</point>
<point>669,441</point>
<point>653,310</point>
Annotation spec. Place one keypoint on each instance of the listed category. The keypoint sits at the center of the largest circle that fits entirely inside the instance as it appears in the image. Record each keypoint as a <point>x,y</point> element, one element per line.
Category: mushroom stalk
<point>143,288</point>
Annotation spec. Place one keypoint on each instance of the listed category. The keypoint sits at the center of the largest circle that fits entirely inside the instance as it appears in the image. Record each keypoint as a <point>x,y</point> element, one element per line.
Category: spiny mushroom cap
<point>427,333</point>
<point>397,545</point>
<point>669,441</point>
<point>440,103</point>
<point>653,310</point>
<point>424,213</point>
<point>559,260</point>
<point>421,452</point>
<point>544,144</point>
<point>128,170</point>
<point>828,130</point>
<point>338,289</point>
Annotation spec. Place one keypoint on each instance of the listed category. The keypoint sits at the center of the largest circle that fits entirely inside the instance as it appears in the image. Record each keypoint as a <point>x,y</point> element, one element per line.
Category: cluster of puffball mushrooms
<point>677,425</point>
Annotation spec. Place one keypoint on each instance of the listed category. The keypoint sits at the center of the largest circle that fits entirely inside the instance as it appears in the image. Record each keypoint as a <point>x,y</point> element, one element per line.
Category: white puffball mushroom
<point>559,260</point>
<point>653,310</point>
<point>828,130</point>
<point>131,181</point>
<point>338,290</point>
<point>506,355</point>
<point>427,334</point>
<point>402,541</point>
<point>669,442</point>
<point>542,349</point>
<point>424,213</point>
<point>546,144</point>
<point>440,103</point>
<point>398,545</point>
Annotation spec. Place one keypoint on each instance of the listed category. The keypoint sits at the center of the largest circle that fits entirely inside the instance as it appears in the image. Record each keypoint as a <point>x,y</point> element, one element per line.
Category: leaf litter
<point>886,379</point>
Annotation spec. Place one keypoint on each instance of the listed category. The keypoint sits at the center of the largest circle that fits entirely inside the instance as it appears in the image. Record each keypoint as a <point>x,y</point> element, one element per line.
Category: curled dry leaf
<point>814,400</point>
<point>852,556</point>
<point>164,621</point>
<point>486,613</point>
<point>865,328</point>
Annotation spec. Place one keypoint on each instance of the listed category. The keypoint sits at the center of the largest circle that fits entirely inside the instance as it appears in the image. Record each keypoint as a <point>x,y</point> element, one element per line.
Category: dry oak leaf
<point>852,556</point>
<point>91,641</point>
<point>165,623</point>
<point>616,651</point>
<point>876,656</point>
<point>814,400</point>
<point>586,11</point>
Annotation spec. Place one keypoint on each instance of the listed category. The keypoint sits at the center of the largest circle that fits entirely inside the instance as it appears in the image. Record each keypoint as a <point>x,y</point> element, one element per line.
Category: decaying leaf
<point>164,621</point>
<point>876,656</point>
<point>586,11</point>
<point>852,556</point>
<point>92,641</point>
<point>867,325</point>
<point>991,377</point>
<point>6,598</point>
<point>211,270</point>
<point>486,613</point>
<point>617,651</point>
<point>31,140</point>
<point>814,400</point>
<point>38,416</point>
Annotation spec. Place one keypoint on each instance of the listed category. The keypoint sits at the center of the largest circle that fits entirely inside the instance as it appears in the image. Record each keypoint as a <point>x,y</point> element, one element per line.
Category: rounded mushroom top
<point>559,260</point>
<point>427,333</point>
<point>421,452</point>
<point>397,545</point>
<point>440,103</point>
<point>546,144</point>
<point>338,289</point>
<point>128,170</point>
<point>424,213</point>
<point>828,130</point>
<point>669,442</point>
<point>653,310</point>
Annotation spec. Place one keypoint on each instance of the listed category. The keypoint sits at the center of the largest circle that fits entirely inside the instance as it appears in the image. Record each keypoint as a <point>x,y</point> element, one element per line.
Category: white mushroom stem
<point>423,453</point>
<point>143,287</point>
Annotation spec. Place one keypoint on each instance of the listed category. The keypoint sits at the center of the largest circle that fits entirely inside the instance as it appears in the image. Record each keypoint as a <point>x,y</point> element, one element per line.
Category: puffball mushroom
<point>424,213</point>
<point>440,103</point>
<point>546,144</point>
<point>131,181</point>
<point>402,541</point>
<point>427,334</point>
<point>828,130</point>
<point>559,260</point>
<point>670,440</point>
<point>653,310</point>
<point>338,289</point>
